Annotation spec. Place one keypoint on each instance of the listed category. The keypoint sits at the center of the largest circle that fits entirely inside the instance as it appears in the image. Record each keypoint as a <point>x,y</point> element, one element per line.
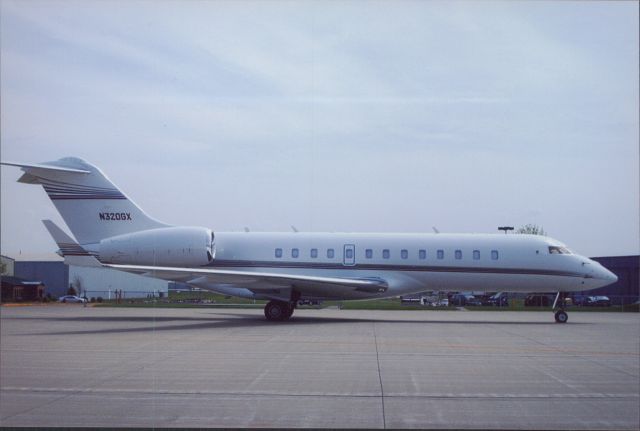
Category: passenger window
<point>314,253</point>
<point>494,254</point>
<point>295,253</point>
<point>368,253</point>
<point>404,254</point>
<point>458,254</point>
<point>440,254</point>
<point>422,254</point>
<point>476,254</point>
<point>349,253</point>
<point>278,252</point>
<point>385,253</point>
<point>330,253</point>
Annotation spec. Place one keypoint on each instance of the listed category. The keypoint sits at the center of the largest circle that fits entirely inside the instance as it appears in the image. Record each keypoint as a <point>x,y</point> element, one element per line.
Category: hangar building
<point>47,268</point>
<point>627,288</point>
<point>92,282</point>
<point>6,265</point>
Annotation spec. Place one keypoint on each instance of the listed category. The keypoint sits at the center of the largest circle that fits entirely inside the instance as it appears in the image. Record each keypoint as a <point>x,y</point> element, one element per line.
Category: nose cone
<point>610,276</point>
<point>605,276</point>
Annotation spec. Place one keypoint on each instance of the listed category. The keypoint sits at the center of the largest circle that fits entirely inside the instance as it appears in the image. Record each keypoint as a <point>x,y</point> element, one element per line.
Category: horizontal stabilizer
<point>73,253</point>
<point>46,167</point>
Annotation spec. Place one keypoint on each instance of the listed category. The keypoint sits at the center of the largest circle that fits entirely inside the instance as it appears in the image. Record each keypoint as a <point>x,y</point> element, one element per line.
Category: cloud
<point>277,113</point>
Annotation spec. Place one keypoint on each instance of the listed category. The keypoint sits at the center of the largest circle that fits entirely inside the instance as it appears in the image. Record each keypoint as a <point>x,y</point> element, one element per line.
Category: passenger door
<point>349,255</point>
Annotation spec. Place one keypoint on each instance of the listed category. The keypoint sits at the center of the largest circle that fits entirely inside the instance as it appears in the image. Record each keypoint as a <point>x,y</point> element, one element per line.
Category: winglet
<point>73,252</point>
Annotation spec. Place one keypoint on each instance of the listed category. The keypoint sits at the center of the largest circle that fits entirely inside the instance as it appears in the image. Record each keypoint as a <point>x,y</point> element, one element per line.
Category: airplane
<point>111,231</point>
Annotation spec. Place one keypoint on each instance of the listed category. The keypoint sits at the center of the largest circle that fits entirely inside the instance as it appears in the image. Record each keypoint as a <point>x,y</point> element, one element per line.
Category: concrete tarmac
<point>69,365</point>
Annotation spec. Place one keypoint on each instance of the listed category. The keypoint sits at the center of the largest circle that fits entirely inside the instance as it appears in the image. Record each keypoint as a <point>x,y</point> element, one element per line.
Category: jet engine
<point>171,246</point>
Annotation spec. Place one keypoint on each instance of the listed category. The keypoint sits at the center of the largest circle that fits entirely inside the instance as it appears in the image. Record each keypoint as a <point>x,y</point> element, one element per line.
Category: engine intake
<point>172,246</point>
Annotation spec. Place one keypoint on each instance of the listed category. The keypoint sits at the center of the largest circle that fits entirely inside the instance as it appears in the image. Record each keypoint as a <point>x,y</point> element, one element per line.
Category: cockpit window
<point>558,250</point>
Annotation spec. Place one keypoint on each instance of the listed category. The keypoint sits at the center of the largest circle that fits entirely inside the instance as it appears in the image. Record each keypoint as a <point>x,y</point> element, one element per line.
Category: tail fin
<point>90,204</point>
<point>73,253</point>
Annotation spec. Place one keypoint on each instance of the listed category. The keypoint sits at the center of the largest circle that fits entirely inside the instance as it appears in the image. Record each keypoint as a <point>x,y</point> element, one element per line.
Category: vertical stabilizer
<point>90,204</point>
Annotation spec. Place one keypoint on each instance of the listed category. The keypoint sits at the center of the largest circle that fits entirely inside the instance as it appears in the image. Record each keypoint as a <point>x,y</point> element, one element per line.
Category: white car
<point>71,298</point>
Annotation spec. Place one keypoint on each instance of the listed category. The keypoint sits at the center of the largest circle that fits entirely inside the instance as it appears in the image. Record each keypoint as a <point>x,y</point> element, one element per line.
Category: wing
<point>258,281</point>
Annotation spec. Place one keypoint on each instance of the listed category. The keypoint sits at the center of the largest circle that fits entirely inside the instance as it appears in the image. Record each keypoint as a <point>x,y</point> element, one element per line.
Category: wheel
<point>277,311</point>
<point>561,316</point>
<point>292,307</point>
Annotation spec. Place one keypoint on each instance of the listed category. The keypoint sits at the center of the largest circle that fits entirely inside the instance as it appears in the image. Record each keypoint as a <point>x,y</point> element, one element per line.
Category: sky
<point>336,116</point>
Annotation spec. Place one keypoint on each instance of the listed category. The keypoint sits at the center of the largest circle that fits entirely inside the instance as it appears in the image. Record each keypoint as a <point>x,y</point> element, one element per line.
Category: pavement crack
<point>375,339</point>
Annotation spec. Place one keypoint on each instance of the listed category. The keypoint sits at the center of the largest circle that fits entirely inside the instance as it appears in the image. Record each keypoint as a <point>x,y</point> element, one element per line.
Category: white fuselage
<point>111,230</point>
<point>413,262</point>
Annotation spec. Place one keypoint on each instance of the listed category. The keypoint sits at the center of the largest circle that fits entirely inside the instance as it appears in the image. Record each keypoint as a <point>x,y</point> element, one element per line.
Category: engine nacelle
<point>171,246</point>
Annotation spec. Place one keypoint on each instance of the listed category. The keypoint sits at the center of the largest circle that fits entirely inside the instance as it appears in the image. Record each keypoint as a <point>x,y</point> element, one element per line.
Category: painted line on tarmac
<point>438,395</point>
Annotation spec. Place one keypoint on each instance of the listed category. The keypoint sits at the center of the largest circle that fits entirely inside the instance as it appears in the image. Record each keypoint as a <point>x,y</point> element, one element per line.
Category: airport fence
<point>118,295</point>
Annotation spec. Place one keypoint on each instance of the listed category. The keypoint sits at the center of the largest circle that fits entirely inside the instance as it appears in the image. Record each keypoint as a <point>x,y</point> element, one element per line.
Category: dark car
<point>309,302</point>
<point>500,299</point>
<point>580,300</point>
<point>464,300</point>
<point>598,301</point>
<point>538,301</point>
<point>485,299</point>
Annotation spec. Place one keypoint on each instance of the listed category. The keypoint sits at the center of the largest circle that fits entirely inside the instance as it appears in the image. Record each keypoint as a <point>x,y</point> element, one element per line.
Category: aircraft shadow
<point>238,320</point>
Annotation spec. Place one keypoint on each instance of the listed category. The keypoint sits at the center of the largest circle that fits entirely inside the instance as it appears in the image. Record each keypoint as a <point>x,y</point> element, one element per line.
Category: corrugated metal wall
<point>627,268</point>
<point>104,282</point>
<point>54,275</point>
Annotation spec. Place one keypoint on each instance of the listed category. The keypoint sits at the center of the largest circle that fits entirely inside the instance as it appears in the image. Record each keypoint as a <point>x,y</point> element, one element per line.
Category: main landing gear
<point>278,311</point>
<point>560,315</point>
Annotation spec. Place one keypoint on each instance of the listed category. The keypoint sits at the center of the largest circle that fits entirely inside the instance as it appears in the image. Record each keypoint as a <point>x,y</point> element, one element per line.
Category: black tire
<point>64,301</point>
<point>561,316</point>
<point>276,311</point>
<point>292,307</point>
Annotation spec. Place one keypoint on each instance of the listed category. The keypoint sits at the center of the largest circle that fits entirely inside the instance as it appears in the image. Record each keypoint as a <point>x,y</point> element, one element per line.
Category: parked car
<point>545,300</point>
<point>500,299</point>
<point>580,299</point>
<point>441,303</point>
<point>485,299</point>
<point>538,301</point>
<point>71,298</point>
<point>598,301</point>
<point>309,302</point>
<point>464,300</point>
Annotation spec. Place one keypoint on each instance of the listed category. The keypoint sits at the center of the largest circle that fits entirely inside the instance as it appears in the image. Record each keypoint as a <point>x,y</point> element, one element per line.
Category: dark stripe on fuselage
<point>222,264</point>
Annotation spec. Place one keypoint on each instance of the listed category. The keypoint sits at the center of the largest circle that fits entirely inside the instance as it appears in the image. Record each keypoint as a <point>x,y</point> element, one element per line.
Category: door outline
<point>349,261</point>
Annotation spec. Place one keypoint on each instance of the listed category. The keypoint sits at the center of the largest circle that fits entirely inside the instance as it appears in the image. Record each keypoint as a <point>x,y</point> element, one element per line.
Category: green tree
<point>531,229</point>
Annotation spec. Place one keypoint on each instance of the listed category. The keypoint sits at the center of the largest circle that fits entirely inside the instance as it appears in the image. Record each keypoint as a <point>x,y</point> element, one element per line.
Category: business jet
<point>111,231</point>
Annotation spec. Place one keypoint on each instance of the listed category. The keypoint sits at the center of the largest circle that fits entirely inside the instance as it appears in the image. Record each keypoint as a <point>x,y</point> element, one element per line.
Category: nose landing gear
<point>561,316</point>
